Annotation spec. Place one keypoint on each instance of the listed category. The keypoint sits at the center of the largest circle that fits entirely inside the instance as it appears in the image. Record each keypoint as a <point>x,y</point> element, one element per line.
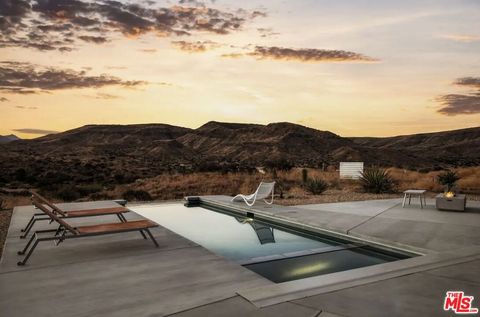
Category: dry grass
<point>290,187</point>
<point>11,201</point>
<point>176,186</point>
<point>5,216</point>
<point>333,196</point>
<point>468,183</point>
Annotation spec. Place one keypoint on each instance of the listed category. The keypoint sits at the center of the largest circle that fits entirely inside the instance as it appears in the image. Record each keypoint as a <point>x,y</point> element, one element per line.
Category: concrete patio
<point>124,275</point>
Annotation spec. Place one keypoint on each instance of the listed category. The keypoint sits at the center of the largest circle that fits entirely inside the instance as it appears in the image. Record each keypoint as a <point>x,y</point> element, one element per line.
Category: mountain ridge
<point>98,153</point>
<point>8,138</point>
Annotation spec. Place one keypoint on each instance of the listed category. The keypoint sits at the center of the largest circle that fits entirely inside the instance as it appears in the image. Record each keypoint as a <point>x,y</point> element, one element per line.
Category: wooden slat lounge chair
<point>118,211</point>
<point>66,231</point>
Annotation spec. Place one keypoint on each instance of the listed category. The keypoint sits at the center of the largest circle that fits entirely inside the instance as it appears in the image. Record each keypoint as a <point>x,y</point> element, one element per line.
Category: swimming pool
<point>274,251</point>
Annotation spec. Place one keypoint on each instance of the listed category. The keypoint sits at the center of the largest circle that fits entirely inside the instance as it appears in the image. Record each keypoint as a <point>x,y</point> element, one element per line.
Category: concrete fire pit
<point>455,203</point>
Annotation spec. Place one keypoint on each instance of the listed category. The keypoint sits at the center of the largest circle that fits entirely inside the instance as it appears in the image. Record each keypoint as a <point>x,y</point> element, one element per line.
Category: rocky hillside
<point>8,138</point>
<point>110,154</point>
<point>457,147</point>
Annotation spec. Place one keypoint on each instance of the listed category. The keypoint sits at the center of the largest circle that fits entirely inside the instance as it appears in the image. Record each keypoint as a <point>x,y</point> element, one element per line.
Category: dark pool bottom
<point>277,252</point>
<point>300,267</point>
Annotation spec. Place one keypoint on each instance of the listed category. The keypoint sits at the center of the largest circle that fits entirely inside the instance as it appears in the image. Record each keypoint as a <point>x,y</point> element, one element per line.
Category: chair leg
<point>247,202</point>
<point>34,236</point>
<point>61,238</point>
<point>121,217</point>
<point>28,224</point>
<point>24,261</point>
<point>59,229</point>
<point>27,231</point>
<point>271,201</point>
<point>151,237</point>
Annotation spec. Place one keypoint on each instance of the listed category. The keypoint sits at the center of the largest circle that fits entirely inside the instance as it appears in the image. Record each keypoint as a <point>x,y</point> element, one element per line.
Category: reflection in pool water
<point>270,251</point>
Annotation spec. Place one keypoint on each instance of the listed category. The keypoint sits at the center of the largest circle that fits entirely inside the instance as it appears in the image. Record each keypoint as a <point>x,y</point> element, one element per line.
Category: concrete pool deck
<point>124,275</point>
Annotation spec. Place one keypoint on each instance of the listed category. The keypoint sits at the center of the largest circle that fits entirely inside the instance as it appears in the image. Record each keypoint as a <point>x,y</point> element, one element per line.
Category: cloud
<point>458,104</point>
<point>93,39</point>
<point>233,55</point>
<point>116,67</point>
<point>195,3</point>
<point>256,14</point>
<point>473,82</point>
<point>196,47</point>
<point>18,90</point>
<point>35,131</point>
<point>148,50</point>
<point>11,14</point>
<point>59,24</point>
<point>461,37</point>
<point>16,8</point>
<point>102,95</point>
<point>455,104</point>
<point>267,32</point>
<point>43,44</point>
<point>26,108</point>
<point>26,78</point>
<point>304,55</point>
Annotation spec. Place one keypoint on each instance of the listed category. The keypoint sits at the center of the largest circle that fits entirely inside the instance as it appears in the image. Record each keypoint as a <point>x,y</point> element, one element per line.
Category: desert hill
<point>456,147</point>
<point>122,153</point>
<point>8,138</point>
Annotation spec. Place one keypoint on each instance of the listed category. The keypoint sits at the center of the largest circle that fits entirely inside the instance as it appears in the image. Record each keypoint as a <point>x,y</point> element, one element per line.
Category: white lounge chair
<point>263,191</point>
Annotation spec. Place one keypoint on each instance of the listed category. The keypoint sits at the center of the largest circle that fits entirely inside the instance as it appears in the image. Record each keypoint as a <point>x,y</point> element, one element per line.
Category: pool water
<point>272,251</point>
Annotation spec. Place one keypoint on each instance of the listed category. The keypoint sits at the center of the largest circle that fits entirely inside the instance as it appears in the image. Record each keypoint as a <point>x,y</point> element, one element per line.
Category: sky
<point>353,67</point>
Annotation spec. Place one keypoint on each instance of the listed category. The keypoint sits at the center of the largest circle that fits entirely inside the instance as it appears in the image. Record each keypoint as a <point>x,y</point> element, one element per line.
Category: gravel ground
<point>5,216</point>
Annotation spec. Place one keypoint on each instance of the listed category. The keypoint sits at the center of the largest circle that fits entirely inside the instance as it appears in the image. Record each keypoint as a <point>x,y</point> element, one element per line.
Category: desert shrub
<point>119,178</point>
<point>20,174</point>
<point>281,164</point>
<point>316,186</point>
<point>448,179</point>
<point>274,174</point>
<point>85,190</point>
<point>53,177</point>
<point>133,194</point>
<point>334,183</point>
<point>207,166</point>
<point>101,196</point>
<point>304,176</point>
<point>376,180</point>
<point>67,193</point>
<point>424,170</point>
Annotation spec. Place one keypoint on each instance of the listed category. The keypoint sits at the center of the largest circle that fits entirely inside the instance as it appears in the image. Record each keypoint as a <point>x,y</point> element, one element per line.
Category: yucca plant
<point>448,179</point>
<point>316,186</point>
<point>376,180</point>
<point>304,176</point>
